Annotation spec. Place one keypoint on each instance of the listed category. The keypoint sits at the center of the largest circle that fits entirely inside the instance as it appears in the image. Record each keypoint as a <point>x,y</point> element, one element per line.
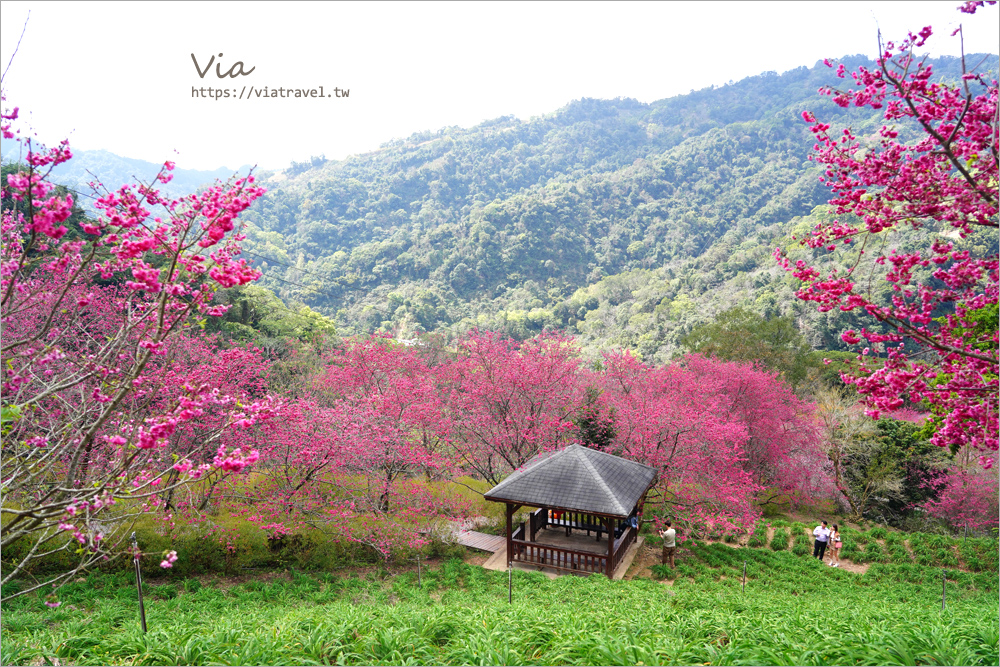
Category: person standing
<point>669,545</point>
<point>835,544</point>
<point>822,534</point>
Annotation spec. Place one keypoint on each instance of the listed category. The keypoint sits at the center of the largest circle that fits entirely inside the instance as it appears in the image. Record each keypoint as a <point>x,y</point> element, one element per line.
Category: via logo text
<point>233,72</point>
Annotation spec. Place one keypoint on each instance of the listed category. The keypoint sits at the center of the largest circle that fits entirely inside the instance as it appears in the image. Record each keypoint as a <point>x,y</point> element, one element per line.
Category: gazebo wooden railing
<point>621,546</point>
<point>573,560</point>
<point>573,520</point>
<point>559,558</point>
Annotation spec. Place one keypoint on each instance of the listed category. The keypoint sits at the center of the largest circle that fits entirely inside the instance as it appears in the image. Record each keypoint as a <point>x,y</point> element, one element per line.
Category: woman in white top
<point>835,544</point>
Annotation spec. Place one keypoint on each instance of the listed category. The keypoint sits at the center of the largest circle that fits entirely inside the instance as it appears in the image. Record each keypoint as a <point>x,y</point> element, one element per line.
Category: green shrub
<point>851,551</point>
<point>979,555</point>
<point>877,533</point>
<point>988,552</point>
<point>801,549</point>
<point>460,615</point>
<point>802,538</point>
<point>873,553</point>
<point>663,572</point>
<point>974,564</point>
<point>10,588</point>
<point>946,558</point>
<point>898,554</point>
<point>771,510</point>
<point>938,541</point>
<point>165,592</point>
<point>686,570</point>
<point>780,540</point>
<point>802,544</point>
<point>850,535</point>
<point>444,550</point>
<point>759,537</point>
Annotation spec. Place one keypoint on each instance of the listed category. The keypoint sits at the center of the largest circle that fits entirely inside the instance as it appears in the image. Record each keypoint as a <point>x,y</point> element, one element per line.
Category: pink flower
<point>170,557</point>
<point>849,337</point>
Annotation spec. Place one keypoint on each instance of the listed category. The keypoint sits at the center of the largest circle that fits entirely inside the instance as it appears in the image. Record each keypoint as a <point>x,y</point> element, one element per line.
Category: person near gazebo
<point>669,545</point>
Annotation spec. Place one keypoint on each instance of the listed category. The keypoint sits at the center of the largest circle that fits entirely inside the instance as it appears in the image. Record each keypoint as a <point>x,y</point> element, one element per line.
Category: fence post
<point>943,582</point>
<point>138,581</point>
<point>510,584</point>
<point>420,581</point>
<point>744,576</point>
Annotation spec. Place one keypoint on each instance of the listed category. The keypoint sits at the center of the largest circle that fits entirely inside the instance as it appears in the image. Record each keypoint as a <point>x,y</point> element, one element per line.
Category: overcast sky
<point>119,76</point>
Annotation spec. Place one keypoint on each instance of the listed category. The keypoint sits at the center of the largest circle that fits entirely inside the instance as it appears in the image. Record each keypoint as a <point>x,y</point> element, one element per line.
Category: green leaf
<point>9,413</point>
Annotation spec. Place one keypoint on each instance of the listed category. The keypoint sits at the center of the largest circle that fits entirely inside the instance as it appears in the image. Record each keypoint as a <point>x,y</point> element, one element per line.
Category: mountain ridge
<point>625,223</point>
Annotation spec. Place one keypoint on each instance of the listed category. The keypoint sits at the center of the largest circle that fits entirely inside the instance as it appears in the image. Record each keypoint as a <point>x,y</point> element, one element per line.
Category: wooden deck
<point>481,541</point>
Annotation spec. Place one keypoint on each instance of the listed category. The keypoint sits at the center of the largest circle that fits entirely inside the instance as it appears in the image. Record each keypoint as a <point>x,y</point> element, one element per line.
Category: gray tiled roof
<point>577,478</point>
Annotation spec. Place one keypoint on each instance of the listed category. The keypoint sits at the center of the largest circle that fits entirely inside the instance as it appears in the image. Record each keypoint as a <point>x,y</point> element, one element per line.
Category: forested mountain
<point>114,170</point>
<point>624,223</point>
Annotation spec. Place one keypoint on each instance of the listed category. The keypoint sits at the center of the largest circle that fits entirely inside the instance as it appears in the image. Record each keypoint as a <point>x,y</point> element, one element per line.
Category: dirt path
<point>643,562</point>
<point>857,568</point>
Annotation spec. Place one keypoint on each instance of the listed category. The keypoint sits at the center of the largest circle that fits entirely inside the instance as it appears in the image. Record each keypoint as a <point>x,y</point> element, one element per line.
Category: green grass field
<point>794,611</point>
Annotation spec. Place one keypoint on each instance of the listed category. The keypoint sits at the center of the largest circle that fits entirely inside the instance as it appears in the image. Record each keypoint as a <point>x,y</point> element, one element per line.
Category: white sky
<point>119,75</point>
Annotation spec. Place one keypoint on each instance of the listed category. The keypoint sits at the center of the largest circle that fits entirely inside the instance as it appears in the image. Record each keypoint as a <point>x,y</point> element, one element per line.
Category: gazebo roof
<point>577,478</point>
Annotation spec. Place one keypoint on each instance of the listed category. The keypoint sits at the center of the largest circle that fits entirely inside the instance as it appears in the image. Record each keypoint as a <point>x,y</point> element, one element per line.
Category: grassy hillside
<point>794,611</point>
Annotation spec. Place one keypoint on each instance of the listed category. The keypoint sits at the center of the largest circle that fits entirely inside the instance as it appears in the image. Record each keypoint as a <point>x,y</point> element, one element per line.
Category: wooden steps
<point>481,541</point>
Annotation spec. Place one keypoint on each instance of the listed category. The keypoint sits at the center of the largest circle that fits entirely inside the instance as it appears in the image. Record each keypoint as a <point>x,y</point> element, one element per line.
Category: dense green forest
<point>622,222</point>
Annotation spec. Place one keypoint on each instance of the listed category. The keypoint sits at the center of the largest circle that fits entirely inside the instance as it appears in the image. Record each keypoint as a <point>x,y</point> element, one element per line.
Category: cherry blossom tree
<point>356,460</point>
<point>509,400</point>
<point>783,438</point>
<point>965,498</point>
<point>391,412</point>
<point>724,436</point>
<point>936,193</point>
<point>87,319</point>
<point>240,373</point>
<point>666,418</point>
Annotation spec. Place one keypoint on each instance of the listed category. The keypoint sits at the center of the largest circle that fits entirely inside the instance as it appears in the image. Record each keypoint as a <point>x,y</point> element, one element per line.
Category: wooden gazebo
<point>578,489</point>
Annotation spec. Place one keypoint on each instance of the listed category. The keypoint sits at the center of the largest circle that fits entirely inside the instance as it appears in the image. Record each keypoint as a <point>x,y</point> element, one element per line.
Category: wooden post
<point>611,546</point>
<point>138,582</point>
<point>510,540</point>
<point>744,576</point>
